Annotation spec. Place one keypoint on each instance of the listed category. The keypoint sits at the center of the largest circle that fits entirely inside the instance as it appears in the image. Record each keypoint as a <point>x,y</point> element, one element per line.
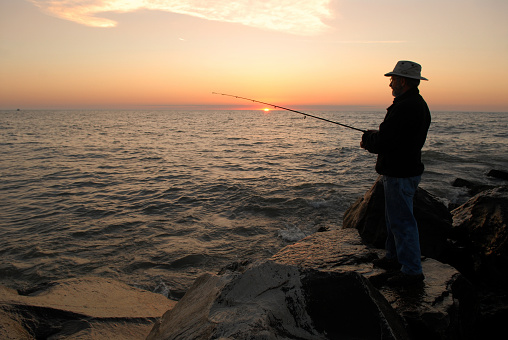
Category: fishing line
<point>284,108</point>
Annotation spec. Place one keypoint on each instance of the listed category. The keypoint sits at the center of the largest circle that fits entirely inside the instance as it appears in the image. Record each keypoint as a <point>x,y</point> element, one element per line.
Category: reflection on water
<point>155,198</point>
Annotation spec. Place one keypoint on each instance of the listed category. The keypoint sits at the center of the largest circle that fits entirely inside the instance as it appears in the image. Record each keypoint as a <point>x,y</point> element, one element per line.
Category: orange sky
<point>313,54</point>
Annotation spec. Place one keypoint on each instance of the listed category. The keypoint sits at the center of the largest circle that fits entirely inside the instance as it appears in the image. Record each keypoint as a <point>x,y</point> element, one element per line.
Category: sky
<point>302,54</point>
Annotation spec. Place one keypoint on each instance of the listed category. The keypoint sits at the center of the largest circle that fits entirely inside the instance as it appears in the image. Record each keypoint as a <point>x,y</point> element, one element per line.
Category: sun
<point>266,109</point>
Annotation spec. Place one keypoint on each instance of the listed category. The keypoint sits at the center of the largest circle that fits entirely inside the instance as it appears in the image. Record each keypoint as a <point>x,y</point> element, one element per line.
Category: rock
<point>498,174</point>
<point>493,313</point>
<point>367,216</point>
<point>11,326</point>
<point>87,308</point>
<point>336,250</point>
<point>445,307</point>
<point>481,236</point>
<point>434,220</point>
<point>473,188</point>
<point>322,287</point>
<point>346,305</point>
<point>269,300</point>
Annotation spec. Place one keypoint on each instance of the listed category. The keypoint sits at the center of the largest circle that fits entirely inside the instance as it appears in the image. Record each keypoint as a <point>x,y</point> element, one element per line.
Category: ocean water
<point>156,198</point>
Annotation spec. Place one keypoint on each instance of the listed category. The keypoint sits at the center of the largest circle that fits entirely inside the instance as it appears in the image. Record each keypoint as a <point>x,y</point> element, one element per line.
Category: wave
<point>159,203</point>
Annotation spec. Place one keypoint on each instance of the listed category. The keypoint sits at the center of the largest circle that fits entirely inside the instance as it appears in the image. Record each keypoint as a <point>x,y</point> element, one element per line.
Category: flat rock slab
<point>86,308</point>
<point>336,250</point>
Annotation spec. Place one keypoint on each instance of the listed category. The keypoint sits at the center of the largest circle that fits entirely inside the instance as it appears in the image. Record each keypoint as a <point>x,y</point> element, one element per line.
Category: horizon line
<point>216,107</point>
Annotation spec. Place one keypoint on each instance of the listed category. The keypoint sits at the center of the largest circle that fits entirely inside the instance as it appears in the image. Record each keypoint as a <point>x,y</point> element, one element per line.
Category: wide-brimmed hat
<point>408,69</point>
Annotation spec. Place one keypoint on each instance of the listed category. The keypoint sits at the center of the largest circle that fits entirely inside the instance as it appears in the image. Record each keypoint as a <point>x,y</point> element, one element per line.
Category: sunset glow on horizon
<point>117,54</point>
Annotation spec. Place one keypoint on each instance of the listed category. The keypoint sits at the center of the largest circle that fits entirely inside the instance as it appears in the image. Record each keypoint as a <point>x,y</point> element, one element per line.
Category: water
<point>155,198</point>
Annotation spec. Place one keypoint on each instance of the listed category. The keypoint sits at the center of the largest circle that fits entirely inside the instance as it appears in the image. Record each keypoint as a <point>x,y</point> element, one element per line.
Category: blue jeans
<point>402,242</point>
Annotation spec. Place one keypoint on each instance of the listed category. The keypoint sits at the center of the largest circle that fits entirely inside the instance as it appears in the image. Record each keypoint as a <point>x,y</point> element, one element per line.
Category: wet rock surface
<point>87,308</point>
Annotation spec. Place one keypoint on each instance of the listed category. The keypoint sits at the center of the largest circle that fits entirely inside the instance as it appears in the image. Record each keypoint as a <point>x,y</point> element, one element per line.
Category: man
<point>398,144</point>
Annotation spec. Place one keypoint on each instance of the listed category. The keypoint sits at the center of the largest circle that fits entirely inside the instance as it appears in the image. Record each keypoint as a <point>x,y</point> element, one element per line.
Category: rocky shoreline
<point>322,287</point>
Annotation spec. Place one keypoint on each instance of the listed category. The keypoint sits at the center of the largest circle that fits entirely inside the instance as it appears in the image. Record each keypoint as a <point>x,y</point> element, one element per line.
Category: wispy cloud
<point>302,17</point>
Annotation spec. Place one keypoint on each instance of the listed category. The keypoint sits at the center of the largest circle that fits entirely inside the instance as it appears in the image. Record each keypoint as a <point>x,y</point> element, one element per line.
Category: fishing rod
<point>284,108</point>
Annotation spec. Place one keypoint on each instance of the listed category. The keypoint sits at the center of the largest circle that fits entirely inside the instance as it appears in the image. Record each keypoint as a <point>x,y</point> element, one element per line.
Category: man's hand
<point>366,134</point>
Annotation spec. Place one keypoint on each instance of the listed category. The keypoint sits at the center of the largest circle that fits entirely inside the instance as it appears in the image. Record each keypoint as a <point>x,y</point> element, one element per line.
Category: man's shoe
<point>387,264</point>
<point>403,279</point>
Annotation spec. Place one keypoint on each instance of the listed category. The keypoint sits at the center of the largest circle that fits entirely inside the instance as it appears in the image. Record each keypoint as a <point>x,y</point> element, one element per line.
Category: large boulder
<point>481,236</point>
<point>434,220</point>
<point>323,287</point>
<point>444,307</point>
<point>86,308</point>
<point>269,300</point>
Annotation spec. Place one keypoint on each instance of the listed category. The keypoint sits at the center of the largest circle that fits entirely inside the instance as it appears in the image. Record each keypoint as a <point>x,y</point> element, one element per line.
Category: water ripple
<point>155,198</point>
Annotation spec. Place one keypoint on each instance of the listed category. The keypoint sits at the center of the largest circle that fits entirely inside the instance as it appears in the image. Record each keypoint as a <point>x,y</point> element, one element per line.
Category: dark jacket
<point>401,136</point>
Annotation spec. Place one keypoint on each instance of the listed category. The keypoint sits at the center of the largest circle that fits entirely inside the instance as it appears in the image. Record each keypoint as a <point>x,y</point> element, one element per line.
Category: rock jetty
<point>325,286</point>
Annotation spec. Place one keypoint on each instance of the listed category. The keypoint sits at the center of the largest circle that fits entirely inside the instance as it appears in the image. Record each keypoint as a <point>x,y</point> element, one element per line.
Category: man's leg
<point>403,239</point>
